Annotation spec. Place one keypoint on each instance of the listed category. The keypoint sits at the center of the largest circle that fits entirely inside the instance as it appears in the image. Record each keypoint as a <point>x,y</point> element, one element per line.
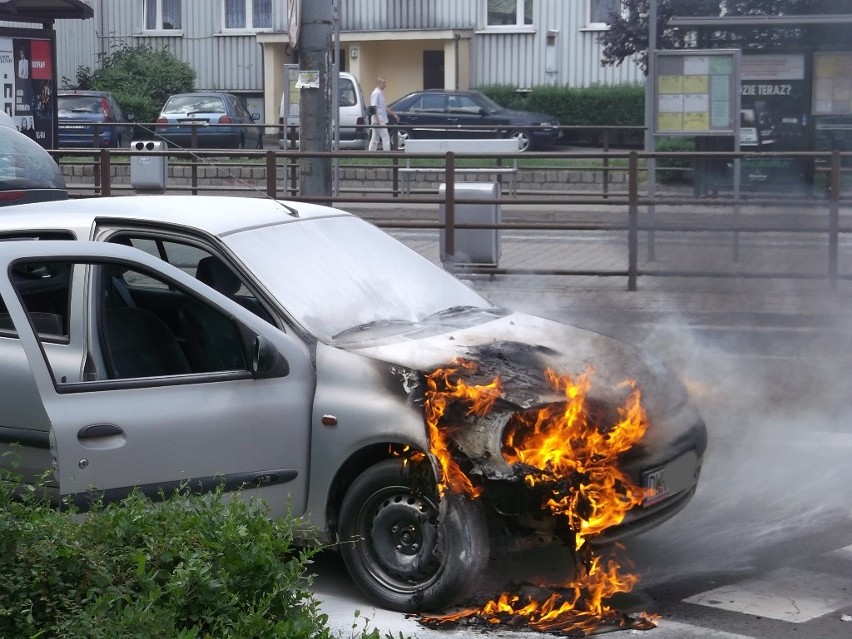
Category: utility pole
<point>315,101</point>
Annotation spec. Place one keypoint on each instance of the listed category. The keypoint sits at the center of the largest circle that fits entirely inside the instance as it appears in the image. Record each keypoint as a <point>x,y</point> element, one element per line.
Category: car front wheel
<point>404,548</point>
<point>402,136</point>
<point>524,139</point>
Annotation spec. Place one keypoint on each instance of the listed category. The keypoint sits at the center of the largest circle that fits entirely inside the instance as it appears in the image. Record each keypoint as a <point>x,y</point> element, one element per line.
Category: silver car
<point>300,355</point>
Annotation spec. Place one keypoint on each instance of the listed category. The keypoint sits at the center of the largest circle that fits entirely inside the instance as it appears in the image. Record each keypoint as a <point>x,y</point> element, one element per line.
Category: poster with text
<point>27,73</point>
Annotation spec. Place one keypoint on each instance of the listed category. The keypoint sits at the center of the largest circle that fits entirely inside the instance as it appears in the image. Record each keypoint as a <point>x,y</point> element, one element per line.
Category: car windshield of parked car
<point>194,104</point>
<point>337,274</point>
<point>486,103</point>
<point>25,165</point>
<point>80,103</point>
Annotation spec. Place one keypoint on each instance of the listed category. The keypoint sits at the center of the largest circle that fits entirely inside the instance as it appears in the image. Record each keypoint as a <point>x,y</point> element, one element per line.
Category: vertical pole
<point>271,175</point>
<point>106,187</point>
<point>450,208</point>
<point>632,221</point>
<point>315,102</point>
<point>834,219</point>
<point>650,109</point>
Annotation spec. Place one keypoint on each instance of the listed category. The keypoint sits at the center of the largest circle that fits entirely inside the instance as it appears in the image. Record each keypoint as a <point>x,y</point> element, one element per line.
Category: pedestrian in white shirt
<point>379,117</point>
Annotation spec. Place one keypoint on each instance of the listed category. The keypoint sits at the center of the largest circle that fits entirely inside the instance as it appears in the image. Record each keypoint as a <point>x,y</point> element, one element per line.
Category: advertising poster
<point>29,87</point>
<point>773,115</point>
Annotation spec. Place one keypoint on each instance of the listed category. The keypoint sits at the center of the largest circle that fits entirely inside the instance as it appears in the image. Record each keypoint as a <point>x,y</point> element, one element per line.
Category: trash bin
<point>149,173</point>
<point>473,246</point>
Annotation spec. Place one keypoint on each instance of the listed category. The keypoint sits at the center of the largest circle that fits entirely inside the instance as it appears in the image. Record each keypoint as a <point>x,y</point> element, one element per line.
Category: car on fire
<point>300,355</point>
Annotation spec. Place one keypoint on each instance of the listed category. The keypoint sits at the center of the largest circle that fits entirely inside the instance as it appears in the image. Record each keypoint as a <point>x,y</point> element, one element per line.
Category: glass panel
<point>599,10</point>
<point>262,14</point>
<point>502,12</point>
<point>528,11</point>
<point>235,14</point>
<point>151,14</point>
<point>171,14</point>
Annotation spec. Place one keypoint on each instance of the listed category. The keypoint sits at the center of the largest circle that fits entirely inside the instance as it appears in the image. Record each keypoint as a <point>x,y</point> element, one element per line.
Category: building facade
<point>242,45</point>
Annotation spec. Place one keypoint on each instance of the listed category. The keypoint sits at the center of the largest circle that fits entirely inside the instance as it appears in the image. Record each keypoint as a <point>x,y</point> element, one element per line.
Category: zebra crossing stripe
<point>786,594</point>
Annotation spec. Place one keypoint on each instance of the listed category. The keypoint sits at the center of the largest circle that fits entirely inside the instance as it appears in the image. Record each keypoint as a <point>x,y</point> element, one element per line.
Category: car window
<point>347,93</point>
<point>44,292</point>
<point>194,104</point>
<point>80,103</point>
<point>25,165</point>
<point>433,102</point>
<point>466,103</point>
<point>195,261</point>
<point>169,332</point>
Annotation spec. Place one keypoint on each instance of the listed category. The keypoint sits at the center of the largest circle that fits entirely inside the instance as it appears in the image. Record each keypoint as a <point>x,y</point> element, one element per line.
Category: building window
<point>600,10</point>
<point>162,15</point>
<point>509,13</point>
<point>248,14</point>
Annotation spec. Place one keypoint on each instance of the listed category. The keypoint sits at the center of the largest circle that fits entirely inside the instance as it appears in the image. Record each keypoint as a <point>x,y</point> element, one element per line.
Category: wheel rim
<point>400,531</point>
<point>401,138</point>
<point>523,139</point>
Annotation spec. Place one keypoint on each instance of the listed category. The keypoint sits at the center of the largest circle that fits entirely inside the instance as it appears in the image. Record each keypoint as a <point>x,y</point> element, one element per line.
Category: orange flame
<point>572,456</point>
<point>444,388</point>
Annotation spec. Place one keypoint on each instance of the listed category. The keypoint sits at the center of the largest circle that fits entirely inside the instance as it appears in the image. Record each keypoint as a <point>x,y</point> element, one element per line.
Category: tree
<point>140,77</point>
<point>627,36</point>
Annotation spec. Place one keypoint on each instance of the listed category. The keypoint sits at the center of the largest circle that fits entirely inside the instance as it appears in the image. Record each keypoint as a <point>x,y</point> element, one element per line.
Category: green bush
<point>188,568</point>
<point>598,105</point>
<point>140,77</point>
<point>675,170</point>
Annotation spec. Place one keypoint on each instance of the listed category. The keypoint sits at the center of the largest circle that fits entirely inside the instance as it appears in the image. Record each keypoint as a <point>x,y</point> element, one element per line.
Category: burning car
<point>300,355</point>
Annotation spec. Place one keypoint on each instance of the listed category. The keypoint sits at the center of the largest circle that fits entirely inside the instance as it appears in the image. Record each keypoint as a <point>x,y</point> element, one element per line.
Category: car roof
<point>216,215</point>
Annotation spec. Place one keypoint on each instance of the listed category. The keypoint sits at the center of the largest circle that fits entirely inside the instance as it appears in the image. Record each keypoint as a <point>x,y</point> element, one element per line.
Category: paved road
<point>764,550</point>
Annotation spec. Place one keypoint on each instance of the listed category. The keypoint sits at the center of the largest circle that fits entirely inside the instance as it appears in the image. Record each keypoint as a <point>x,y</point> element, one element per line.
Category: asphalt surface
<point>765,547</point>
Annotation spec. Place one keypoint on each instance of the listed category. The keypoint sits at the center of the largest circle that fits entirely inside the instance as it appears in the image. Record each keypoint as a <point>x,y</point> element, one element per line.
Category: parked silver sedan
<point>301,355</point>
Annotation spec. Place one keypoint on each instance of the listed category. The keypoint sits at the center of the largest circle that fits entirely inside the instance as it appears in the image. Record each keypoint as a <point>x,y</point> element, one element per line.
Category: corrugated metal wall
<point>383,15</point>
<point>234,62</point>
<point>223,62</point>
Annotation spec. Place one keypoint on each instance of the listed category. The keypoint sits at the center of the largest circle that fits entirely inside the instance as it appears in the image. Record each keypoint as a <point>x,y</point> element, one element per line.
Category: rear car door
<point>138,412</point>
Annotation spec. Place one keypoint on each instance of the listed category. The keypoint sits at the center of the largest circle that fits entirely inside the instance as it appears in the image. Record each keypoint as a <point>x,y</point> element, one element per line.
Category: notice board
<point>832,83</point>
<point>697,92</point>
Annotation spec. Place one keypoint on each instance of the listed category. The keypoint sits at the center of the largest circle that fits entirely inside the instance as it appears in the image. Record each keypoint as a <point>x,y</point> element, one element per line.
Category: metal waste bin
<point>473,246</point>
<point>149,173</point>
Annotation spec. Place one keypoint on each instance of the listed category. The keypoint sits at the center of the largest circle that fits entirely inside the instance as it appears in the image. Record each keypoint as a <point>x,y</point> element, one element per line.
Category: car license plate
<point>673,477</point>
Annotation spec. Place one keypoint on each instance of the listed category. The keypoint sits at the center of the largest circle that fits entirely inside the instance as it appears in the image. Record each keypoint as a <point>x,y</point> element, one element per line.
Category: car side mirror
<point>482,111</point>
<point>255,116</point>
<point>266,360</point>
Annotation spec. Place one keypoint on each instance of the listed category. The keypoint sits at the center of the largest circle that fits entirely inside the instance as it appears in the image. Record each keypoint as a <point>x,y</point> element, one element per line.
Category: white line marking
<point>786,594</point>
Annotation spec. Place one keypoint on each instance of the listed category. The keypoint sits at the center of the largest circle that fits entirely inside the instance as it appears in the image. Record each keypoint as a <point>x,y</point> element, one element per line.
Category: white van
<point>353,118</point>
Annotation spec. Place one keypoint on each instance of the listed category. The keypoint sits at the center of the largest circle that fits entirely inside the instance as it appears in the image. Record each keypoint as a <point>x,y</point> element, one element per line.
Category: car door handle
<point>93,431</point>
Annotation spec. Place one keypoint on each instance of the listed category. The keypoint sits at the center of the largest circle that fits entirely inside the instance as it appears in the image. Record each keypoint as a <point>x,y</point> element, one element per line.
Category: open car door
<point>139,404</point>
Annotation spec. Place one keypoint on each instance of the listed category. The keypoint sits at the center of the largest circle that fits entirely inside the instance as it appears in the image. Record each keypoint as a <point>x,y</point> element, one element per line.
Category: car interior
<point>149,327</point>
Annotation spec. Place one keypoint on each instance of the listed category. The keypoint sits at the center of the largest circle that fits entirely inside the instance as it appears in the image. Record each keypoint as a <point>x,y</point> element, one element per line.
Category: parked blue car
<point>81,111</point>
<point>219,121</point>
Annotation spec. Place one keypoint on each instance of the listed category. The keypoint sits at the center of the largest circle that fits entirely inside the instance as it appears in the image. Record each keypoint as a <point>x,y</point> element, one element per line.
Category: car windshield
<point>25,165</point>
<point>194,104</point>
<point>80,103</point>
<point>486,103</point>
<point>337,273</point>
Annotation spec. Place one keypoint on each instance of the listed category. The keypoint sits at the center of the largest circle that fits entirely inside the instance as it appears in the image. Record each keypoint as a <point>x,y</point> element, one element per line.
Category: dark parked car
<point>219,120</point>
<point>27,172</point>
<point>470,114</point>
<point>81,111</point>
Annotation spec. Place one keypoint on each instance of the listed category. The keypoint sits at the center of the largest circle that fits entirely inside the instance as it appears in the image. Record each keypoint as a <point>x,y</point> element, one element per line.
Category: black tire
<point>403,549</point>
<point>524,138</point>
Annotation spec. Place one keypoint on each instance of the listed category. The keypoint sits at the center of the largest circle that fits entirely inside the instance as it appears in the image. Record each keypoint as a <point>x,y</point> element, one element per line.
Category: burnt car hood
<point>518,348</point>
